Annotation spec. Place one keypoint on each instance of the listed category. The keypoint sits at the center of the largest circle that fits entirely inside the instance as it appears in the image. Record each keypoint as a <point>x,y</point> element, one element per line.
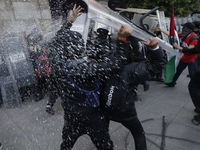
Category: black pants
<point>194,90</point>
<point>52,98</point>
<point>92,124</point>
<point>136,129</point>
<point>53,91</point>
<point>181,66</point>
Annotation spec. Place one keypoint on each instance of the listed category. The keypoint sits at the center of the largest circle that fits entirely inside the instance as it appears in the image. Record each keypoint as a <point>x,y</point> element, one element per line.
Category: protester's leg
<point>100,136</point>
<point>51,102</point>
<point>39,89</point>
<point>53,95</point>
<point>137,132</point>
<point>71,132</point>
<point>194,88</point>
<point>107,119</point>
<point>52,99</point>
<point>181,66</point>
<point>191,69</point>
<point>98,130</point>
<point>145,85</point>
<point>159,77</point>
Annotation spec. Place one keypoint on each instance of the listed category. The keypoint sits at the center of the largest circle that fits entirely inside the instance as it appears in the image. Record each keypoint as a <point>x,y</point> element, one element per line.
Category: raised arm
<point>163,31</point>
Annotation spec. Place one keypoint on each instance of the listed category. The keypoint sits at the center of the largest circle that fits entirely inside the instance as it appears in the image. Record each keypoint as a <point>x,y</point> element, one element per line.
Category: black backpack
<point>113,93</point>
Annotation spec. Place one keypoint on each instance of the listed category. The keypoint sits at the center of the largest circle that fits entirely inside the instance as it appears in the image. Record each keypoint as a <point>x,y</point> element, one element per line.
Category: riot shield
<point>103,15</point>
<point>17,70</point>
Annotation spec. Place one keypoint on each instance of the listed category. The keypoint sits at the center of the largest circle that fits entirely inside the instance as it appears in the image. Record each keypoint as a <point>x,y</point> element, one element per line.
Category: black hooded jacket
<point>117,93</point>
<point>69,45</point>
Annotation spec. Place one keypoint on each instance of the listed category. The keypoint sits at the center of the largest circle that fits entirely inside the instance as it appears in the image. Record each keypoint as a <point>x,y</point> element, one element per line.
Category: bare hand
<point>125,31</point>
<point>153,43</point>
<point>75,13</point>
<point>177,46</point>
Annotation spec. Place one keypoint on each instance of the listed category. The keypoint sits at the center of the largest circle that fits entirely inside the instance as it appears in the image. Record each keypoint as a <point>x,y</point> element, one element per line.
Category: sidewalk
<point>165,114</point>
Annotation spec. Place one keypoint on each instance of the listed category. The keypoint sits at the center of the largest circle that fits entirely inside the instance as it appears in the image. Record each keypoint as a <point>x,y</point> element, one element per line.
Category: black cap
<point>189,25</point>
<point>102,33</point>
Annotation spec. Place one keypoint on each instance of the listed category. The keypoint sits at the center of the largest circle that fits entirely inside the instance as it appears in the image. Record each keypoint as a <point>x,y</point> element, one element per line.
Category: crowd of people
<point>91,113</point>
<point>73,76</point>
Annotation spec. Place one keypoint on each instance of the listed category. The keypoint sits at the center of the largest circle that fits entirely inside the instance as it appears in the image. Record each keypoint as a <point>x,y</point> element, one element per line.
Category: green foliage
<point>181,7</point>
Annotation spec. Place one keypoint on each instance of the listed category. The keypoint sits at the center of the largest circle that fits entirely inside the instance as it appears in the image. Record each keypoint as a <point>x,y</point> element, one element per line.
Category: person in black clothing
<point>53,95</point>
<point>158,76</point>
<point>34,48</point>
<point>120,107</point>
<point>194,84</point>
<point>34,42</point>
<point>138,53</point>
<point>67,48</point>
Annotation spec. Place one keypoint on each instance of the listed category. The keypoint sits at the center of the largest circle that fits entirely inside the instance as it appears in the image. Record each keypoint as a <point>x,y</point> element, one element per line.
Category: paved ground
<point>165,113</point>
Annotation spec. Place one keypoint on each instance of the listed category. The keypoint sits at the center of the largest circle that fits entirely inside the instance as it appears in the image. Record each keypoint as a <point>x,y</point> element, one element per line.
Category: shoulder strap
<point>192,38</point>
<point>80,89</point>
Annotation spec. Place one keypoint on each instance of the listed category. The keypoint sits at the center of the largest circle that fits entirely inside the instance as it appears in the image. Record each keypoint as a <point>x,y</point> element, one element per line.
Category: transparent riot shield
<point>81,25</point>
<point>103,15</point>
<point>17,70</point>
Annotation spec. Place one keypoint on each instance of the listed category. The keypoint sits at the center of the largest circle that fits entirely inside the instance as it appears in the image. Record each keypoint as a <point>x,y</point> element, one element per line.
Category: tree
<point>181,7</point>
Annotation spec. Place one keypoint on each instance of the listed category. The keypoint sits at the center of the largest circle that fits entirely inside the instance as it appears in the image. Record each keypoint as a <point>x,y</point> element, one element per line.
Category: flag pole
<point>172,25</point>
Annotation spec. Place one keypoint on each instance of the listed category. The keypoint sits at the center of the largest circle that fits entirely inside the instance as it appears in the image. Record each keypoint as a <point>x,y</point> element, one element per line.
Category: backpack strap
<point>80,89</point>
<point>193,38</point>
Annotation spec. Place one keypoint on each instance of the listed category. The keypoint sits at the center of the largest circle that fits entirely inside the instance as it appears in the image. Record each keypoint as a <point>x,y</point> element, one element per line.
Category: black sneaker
<point>1,145</point>
<point>196,111</point>
<point>50,110</point>
<point>196,120</point>
<point>170,84</point>
<point>159,79</point>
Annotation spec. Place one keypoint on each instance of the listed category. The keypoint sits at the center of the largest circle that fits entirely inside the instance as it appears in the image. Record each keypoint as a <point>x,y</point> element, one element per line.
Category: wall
<point>19,15</point>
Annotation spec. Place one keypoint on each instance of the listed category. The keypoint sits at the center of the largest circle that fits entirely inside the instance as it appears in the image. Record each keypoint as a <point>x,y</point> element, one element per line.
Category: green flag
<point>170,70</point>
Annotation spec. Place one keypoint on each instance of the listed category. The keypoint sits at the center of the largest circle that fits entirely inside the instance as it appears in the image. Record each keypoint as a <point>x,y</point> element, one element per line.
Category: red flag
<point>172,28</point>
<point>170,68</point>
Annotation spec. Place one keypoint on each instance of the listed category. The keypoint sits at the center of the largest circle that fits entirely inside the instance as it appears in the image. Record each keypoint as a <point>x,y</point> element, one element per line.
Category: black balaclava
<point>187,29</point>
<point>102,33</point>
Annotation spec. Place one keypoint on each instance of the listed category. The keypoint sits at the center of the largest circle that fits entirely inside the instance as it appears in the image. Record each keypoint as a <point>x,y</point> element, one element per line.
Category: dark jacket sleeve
<point>194,50</point>
<point>157,60</point>
<point>138,72</point>
<point>143,71</point>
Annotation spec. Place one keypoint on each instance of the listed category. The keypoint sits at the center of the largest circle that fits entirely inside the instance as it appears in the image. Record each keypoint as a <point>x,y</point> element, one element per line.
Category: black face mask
<point>185,32</point>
